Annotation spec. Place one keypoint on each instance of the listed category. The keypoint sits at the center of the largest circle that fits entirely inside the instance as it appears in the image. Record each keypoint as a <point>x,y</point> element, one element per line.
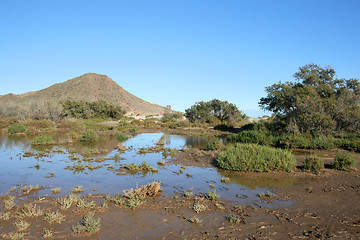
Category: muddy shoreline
<point>318,206</point>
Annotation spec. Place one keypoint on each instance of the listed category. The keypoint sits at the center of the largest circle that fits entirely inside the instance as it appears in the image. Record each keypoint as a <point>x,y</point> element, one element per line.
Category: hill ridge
<point>88,87</point>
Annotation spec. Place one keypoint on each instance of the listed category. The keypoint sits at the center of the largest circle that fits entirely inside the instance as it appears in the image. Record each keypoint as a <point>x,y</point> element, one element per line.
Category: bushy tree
<point>315,102</point>
<point>98,109</point>
<point>214,111</point>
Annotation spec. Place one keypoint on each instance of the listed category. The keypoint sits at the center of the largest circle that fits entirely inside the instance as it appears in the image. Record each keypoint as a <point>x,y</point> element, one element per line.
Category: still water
<point>17,169</point>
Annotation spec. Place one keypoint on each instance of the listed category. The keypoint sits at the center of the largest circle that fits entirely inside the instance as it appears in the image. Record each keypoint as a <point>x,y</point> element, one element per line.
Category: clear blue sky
<point>177,52</point>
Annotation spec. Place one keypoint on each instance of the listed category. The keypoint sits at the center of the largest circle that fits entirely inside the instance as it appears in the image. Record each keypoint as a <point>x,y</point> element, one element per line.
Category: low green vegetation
<point>188,193</point>
<point>43,140</point>
<point>233,218</point>
<point>88,224</point>
<point>89,136</point>
<point>344,161</point>
<point>54,217</point>
<point>215,144</point>
<point>77,189</point>
<point>313,163</point>
<point>255,158</point>
<point>198,207</point>
<point>195,220</point>
<point>122,137</point>
<point>16,129</point>
<point>212,195</point>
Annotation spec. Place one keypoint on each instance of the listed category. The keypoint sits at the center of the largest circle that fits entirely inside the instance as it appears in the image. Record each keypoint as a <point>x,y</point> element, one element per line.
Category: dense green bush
<point>16,129</point>
<point>86,110</point>
<point>43,140</point>
<point>215,144</point>
<point>252,136</point>
<point>344,161</point>
<point>291,141</point>
<point>171,116</point>
<point>255,158</point>
<point>313,163</point>
<point>214,112</point>
<point>122,137</point>
<point>224,127</point>
<point>89,136</point>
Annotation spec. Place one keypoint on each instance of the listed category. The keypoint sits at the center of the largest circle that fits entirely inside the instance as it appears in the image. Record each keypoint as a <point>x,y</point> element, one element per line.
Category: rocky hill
<point>89,87</point>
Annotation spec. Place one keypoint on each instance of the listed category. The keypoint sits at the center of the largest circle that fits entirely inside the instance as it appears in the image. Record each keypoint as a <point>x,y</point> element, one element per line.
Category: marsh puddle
<point>51,169</point>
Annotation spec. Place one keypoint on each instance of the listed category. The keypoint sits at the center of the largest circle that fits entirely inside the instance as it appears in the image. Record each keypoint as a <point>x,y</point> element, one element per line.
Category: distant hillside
<point>89,87</point>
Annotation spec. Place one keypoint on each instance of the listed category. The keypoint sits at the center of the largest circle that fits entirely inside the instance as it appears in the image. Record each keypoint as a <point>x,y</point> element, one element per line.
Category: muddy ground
<point>323,206</point>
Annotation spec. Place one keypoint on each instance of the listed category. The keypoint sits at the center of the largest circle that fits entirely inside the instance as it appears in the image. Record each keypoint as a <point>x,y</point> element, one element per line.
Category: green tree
<point>214,111</point>
<point>98,109</point>
<point>315,102</point>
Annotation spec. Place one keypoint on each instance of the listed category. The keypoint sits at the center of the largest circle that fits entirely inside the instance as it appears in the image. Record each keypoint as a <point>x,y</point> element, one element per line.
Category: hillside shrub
<point>313,163</point>
<point>255,158</point>
<point>86,110</point>
<point>215,144</point>
<point>43,140</point>
<point>19,128</point>
<point>344,161</point>
<point>89,136</point>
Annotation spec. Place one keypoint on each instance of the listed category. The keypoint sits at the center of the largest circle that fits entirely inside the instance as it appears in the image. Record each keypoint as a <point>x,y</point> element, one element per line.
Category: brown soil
<point>324,206</point>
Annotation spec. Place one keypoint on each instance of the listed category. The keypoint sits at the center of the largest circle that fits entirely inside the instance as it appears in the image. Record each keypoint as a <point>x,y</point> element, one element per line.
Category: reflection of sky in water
<point>15,169</point>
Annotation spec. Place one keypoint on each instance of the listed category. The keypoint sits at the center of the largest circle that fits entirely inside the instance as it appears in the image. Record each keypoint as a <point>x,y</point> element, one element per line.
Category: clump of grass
<point>117,200</point>
<point>212,185</point>
<point>89,136</point>
<point>198,207</point>
<point>87,224</point>
<point>344,161</point>
<point>188,194</point>
<point>66,202</point>
<point>313,163</point>
<point>48,233</point>
<point>137,196</point>
<point>82,204</point>
<point>30,210</point>
<point>6,216</point>
<point>219,206</point>
<point>134,202</point>
<point>9,203</point>
<point>267,194</point>
<point>16,129</point>
<point>195,220</point>
<point>122,137</point>
<point>78,167</point>
<point>255,158</point>
<point>15,235</point>
<point>56,190</point>
<point>30,188</point>
<point>211,195</point>
<point>43,140</point>
<point>236,219</point>
<point>225,179</point>
<point>21,225</point>
<point>143,167</point>
<point>215,144</point>
<point>77,189</point>
<point>56,217</point>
